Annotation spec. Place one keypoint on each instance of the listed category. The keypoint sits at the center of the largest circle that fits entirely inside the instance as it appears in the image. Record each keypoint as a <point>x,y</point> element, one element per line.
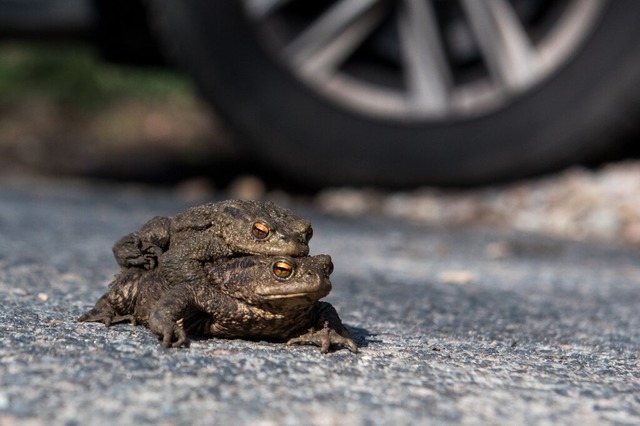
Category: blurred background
<point>65,112</point>
<point>519,114</point>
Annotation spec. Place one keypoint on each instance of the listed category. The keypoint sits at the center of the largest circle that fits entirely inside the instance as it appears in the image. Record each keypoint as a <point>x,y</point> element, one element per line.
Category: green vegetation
<point>74,77</point>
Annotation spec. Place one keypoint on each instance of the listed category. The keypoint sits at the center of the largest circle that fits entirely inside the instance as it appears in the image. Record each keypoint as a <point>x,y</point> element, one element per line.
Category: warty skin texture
<point>221,229</point>
<point>252,297</point>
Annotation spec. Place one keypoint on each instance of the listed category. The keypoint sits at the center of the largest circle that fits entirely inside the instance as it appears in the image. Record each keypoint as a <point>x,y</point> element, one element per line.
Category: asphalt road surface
<point>454,326</point>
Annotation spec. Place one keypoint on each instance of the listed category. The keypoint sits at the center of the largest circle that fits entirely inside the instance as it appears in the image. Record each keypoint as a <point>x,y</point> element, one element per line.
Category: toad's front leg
<point>326,331</point>
<point>188,308</point>
<point>167,318</point>
<point>183,262</point>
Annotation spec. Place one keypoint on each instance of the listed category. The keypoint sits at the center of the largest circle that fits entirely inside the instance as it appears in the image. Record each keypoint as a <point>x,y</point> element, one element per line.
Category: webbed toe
<point>325,338</point>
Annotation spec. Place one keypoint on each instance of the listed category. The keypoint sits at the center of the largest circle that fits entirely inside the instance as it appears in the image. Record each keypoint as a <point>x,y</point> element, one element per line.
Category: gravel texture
<point>456,326</point>
<point>579,204</point>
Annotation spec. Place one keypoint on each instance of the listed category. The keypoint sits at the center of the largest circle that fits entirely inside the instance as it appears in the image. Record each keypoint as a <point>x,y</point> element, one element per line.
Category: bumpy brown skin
<point>215,230</point>
<point>245,297</point>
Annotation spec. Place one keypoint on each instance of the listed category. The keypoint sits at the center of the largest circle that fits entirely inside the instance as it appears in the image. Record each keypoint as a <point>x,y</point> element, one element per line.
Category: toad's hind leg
<point>117,304</point>
<point>102,312</point>
<point>142,249</point>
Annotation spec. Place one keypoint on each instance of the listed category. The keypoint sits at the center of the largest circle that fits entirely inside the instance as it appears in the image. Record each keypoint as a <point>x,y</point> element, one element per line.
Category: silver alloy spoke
<point>506,48</point>
<point>325,29</point>
<point>427,73</point>
<point>440,74</point>
<point>260,9</point>
<point>326,60</point>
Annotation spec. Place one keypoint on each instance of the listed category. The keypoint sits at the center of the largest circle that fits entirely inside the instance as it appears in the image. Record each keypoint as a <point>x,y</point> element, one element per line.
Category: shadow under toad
<point>361,336</point>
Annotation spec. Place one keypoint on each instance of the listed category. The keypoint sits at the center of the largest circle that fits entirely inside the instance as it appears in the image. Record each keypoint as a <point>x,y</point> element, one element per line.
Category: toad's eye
<point>282,269</point>
<point>260,230</point>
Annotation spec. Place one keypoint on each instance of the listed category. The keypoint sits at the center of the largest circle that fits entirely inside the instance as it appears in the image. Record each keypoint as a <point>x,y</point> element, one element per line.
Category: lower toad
<point>251,297</point>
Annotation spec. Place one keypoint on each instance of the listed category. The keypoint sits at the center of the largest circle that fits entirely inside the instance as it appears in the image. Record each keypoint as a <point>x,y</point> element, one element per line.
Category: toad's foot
<point>106,316</point>
<point>174,338</point>
<point>325,338</point>
<point>171,334</point>
<point>131,251</point>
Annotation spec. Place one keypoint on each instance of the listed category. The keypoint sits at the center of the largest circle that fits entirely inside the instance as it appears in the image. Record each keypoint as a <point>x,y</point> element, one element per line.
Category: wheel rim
<point>423,60</point>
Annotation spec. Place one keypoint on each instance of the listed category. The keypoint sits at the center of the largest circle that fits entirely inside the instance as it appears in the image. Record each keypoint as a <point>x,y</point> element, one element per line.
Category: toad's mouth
<point>292,248</point>
<point>286,296</point>
<point>310,294</point>
<point>307,295</point>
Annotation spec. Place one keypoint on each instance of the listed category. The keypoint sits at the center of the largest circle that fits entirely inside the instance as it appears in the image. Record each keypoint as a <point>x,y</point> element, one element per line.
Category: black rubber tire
<point>574,116</point>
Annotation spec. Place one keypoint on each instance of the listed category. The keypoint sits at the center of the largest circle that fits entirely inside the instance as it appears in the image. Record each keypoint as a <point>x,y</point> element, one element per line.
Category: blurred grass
<point>73,77</point>
<point>66,112</point>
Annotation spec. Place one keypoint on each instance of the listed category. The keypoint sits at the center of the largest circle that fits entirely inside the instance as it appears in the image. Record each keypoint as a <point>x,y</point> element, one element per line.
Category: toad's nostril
<point>306,235</point>
<point>329,268</point>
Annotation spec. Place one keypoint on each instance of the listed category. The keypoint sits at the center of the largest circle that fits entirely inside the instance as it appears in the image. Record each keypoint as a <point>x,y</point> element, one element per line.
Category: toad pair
<point>232,269</point>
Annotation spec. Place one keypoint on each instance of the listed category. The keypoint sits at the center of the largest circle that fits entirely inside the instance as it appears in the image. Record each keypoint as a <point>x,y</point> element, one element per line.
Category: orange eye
<point>282,269</point>
<point>260,230</point>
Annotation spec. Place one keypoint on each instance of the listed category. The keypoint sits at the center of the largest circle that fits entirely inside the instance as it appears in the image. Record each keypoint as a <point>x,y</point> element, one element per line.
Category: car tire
<point>577,114</point>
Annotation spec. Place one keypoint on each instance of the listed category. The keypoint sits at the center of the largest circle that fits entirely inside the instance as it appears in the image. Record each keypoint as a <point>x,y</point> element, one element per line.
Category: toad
<point>251,297</point>
<point>213,230</point>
